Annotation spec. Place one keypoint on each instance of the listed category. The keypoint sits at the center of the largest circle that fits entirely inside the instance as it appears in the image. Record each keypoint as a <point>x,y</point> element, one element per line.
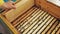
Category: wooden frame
<point>9,25</point>
<point>49,7</point>
<point>23,6</point>
<point>9,16</point>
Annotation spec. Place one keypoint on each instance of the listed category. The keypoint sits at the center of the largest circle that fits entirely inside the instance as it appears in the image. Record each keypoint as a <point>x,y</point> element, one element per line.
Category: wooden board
<point>21,7</point>
<point>49,7</point>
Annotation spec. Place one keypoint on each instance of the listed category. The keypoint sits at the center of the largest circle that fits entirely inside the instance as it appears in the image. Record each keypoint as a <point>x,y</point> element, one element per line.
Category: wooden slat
<point>29,17</point>
<point>53,26</point>
<point>40,24</point>
<point>44,26</point>
<point>40,21</point>
<point>23,16</point>
<point>40,17</point>
<point>58,32</point>
<point>38,31</point>
<point>54,31</point>
<point>48,26</point>
<point>33,20</point>
<point>26,25</point>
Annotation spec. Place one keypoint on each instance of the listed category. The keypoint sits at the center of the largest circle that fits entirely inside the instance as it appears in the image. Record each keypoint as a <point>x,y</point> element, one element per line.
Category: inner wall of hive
<point>34,21</point>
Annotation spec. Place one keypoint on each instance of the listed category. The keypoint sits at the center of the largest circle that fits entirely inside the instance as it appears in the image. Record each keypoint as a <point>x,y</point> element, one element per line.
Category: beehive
<point>32,17</point>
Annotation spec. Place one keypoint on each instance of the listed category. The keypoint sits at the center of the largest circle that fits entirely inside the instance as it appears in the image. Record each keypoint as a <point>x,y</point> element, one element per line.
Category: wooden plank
<point>49,7</point>
<point>21,7</point>
<point>37,22</point>
<point>58,32</point>
<point>32,20</point>
<point>54,31</point>
<point>27,17</point>
<point>26,24</point>
<point>40,27</point>
<point>23,16</point>
<point>48,26</point>
<point>53,26</point>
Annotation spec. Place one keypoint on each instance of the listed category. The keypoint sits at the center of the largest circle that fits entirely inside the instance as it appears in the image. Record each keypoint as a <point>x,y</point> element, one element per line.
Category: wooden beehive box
<point>9,16</point>
<point>22,6</point>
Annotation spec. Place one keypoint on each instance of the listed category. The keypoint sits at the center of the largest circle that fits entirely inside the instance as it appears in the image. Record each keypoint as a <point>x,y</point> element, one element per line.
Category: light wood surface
<point>21,7</point>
